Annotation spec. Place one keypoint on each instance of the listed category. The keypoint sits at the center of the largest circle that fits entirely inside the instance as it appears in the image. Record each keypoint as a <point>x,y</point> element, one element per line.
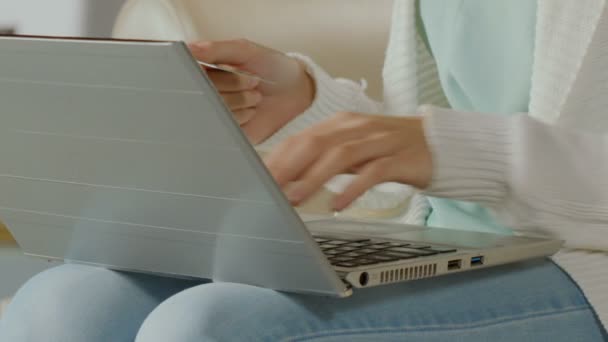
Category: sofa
<point>5,235</point>
<point>346,37</point>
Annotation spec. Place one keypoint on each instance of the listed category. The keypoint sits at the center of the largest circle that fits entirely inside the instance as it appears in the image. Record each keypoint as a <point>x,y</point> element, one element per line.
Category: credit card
<point>236,71</point>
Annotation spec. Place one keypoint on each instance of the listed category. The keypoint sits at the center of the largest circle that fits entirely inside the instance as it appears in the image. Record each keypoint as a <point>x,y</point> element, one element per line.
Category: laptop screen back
<point>122,154</point>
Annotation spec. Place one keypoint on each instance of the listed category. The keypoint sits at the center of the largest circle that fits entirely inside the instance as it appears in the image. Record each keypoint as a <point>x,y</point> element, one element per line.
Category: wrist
<point>305,88</point>
<point>418,151</point>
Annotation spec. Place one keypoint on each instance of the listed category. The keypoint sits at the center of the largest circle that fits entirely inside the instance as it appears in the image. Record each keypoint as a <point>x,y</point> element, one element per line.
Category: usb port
<point>477,261</point>
<point>454,264</point>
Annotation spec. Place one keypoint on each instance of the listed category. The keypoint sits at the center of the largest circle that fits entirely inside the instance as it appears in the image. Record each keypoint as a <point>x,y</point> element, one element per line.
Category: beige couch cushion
<point>4,234</point>
<point>347,37</point>
<point>3,305</point>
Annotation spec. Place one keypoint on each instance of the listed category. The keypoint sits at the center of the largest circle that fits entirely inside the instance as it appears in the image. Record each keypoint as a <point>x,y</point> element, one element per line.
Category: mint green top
<point>484,53</point>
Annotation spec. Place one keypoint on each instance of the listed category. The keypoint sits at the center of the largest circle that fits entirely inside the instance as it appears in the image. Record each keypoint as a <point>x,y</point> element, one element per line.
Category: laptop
<point>122,154</point>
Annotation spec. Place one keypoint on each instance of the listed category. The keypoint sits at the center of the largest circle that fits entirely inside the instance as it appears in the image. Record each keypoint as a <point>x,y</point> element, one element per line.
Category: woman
<point>536,177</point>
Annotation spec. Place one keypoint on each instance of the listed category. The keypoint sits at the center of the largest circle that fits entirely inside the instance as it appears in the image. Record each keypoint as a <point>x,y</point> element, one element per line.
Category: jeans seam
<point>436,327</point>
<point>603,328</point>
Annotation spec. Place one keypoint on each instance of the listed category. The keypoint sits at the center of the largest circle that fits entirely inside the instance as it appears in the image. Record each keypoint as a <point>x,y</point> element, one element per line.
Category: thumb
<point>234,52</point>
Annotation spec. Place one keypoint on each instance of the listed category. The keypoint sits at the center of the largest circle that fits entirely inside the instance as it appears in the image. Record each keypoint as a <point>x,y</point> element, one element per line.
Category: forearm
<point>536,177</point>
<point>331,96</point>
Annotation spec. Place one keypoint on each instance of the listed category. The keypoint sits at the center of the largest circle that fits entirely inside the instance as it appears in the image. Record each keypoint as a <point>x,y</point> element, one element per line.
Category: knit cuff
<point>471,154</point>
<point>331,96</point>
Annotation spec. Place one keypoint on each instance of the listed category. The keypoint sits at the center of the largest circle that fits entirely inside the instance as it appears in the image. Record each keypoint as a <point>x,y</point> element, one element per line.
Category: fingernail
<point>253,82</point>
<point>339,204</point>
<point>294,192</point>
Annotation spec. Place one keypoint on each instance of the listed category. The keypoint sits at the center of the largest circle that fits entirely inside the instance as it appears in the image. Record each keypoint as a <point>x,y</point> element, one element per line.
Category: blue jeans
<point>531,301</point>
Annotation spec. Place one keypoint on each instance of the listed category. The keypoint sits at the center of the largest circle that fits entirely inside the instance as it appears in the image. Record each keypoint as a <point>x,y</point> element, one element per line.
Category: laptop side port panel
<point>363,279</point>
<point>477,261</point>
<point>392,274</point>
<point>454,265</point>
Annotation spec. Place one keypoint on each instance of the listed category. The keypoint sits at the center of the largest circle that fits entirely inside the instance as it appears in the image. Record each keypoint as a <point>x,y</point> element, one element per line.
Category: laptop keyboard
<point>351,253</point>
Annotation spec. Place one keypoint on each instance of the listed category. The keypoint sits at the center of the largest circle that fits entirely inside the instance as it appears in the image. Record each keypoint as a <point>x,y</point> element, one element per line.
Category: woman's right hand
<point>260,108</point>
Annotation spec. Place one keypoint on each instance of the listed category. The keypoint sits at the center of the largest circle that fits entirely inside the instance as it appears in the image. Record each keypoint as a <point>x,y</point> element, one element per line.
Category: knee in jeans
<point>40,301</point>
<point>62,303</point>
<point>213,312</point>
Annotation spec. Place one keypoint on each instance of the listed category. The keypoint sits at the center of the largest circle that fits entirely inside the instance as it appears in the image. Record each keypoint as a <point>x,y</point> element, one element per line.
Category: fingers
<point>229,82</point>
<point>238,93</point>
<point>373,173</point>
<point>242,100</point>
<point>291,158</point>
<point>380,149</point>
<point>335,161</point>
<point>234,52</point>
<point>243,116</point>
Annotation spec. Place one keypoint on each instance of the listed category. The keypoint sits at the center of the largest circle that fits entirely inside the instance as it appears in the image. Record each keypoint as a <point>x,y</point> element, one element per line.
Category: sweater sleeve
<point>539,179</point>
<point>335,95</point>
<point>332,95</point>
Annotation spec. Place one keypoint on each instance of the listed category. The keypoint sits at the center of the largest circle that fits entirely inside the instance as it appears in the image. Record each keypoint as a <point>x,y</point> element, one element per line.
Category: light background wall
<point>60,17</point>
<point>100,16</point>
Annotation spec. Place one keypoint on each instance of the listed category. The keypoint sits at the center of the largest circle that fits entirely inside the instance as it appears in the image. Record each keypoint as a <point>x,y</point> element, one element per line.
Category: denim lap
<point>74,303</point>
<point>528,301</point>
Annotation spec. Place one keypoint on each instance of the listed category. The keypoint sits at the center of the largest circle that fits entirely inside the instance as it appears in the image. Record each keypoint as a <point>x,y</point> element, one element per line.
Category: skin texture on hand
<point>376,148</point>
<point>260,108</point>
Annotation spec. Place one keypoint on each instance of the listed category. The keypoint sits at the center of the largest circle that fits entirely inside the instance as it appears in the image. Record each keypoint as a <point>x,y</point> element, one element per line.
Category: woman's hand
<point>376,148</point>
<point>260,109</point>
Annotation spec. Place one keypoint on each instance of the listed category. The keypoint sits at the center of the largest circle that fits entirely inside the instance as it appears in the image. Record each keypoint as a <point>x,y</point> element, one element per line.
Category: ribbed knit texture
<point>563,32</point>
<point>474,167</point>
<point>538,179</point>
<point>332,96</point>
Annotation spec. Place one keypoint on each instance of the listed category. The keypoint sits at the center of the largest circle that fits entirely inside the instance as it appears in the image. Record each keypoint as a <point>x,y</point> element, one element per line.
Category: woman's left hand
<point>376,148</point>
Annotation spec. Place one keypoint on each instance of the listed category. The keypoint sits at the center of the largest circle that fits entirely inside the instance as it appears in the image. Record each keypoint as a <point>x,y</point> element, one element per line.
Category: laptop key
<point>346,264</point>
<point>338,242</point>
<point>367,251</point>
<point>341,258</point>
<point>357,244</point>
<point>378,247</point>
<point>365,262</point>
<point>397,244</point>
<point>415,246</point>
<point>419,252</point>
<point>332,252</point>
<point>442,249</point>
<point>346,248</point>
<point>382,258</point>
<point>327,246</point>
<point>400,255</point>
<point>352,254</point>
<point>340,239</point>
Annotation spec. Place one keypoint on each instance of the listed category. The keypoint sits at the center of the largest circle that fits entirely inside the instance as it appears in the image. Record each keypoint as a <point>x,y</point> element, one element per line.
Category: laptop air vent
<point>408,273</point>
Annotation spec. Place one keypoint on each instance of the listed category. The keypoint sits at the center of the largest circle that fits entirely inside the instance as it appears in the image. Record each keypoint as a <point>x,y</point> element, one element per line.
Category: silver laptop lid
<point>122,154</point>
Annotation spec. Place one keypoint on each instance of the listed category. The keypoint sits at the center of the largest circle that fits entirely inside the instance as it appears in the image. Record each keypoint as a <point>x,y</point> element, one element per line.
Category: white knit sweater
<point>540,178</point>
